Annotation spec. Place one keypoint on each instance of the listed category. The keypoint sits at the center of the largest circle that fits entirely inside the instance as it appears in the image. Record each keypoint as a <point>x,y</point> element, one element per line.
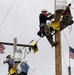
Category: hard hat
<point>44,10</point>
<point>25,59</point>
<point>8,56</point>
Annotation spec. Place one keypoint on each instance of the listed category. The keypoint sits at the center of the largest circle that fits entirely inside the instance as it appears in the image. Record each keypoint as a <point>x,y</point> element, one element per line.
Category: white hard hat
<point>44,10</point>
<point>25,59</point>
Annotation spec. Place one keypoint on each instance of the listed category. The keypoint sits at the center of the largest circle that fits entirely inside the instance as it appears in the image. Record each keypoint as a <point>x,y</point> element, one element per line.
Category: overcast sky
<point>21,21</point>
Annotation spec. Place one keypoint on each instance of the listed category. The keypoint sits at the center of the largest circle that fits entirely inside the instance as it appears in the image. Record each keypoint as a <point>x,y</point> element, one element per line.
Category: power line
<point>70,3</point>
<point>7,13</point>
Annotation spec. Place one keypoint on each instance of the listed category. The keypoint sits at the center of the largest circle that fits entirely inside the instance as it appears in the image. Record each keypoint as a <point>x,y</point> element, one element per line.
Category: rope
<point>39,39</point>
<point>31,42</point>
<point>64,61</point>
<point>26,50</point>
<point>70,3</point>
<point>70,28</point>
<point>7,13</point>
<point>68,24</point>
<point>28,44</point>
<point>66,38</point>
<point>67,44</point>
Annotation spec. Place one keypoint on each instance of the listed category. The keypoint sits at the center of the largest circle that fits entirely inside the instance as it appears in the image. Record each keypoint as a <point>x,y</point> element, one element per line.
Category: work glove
<point>51,17</point>
<point>49,13</point>
<point>4,62</point>
<point>69,5</point>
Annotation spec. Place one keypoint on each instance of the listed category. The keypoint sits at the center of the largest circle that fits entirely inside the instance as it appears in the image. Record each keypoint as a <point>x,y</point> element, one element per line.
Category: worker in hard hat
<point>43,17</point>
<point>9,61</point>
<point>24,67</point>
<point>12,71</point>
<point>15,70</point>
<point>67,17</point>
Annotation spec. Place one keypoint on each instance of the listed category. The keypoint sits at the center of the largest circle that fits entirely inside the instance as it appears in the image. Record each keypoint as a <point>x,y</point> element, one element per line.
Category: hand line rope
<point>7,13</point>
<point>66,38</point>
<point>64,61</point>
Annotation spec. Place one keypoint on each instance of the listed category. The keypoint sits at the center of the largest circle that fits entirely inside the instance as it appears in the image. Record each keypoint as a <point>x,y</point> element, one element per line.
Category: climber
<point>43,17</point>
<point>67,17</point>
<point>24,67</point>
<point>9,61</point>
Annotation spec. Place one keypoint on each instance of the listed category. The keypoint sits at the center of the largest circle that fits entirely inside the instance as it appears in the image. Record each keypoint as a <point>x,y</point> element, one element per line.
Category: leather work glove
<point>51,17</point>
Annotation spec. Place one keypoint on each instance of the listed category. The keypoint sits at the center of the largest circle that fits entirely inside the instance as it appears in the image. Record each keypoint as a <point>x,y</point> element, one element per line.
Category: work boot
<point>71,22</point>
<point>40,34</point>
<point>54,44</point>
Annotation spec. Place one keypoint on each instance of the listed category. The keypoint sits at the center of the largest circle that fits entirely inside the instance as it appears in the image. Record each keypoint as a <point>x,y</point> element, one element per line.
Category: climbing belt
<point>47,30</point>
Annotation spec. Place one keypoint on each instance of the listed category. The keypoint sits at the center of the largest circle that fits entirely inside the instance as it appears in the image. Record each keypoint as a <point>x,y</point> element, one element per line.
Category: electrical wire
<point>7,13</point>
<point>70,3</point>
<point>26,50</point>
<point>67,44</point>
<point>28,44</point>
<point>39,39</point>
<point>64,61</point>
<point>66,38</point>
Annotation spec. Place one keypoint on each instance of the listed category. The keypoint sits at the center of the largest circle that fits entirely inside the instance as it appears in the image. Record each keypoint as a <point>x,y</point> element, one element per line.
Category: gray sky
<point>22,22</point>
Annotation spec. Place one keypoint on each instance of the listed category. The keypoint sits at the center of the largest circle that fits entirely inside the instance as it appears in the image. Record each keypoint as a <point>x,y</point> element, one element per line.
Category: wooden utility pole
<point>58,64</point>
<point>15,48</point>
<point>15,45</point>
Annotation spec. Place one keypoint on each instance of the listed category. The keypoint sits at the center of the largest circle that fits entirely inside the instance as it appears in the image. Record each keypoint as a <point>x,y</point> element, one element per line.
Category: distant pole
<point>15,48</point>
<point>69,67</point>
<point>24,54</point>
<point>69,70</point>
<point>58,64</point>
<point>15,45</point>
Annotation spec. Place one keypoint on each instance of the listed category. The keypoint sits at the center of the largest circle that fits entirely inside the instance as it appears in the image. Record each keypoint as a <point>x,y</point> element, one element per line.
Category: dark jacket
<point>43,18</point>
<point>67,12</point>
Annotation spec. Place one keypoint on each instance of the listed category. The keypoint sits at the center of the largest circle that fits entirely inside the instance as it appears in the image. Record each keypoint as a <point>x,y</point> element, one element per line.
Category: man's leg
<point>50,39</point>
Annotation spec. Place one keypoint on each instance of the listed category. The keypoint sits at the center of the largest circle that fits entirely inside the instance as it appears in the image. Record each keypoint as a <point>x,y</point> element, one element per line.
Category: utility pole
<point>69,70</point>
<point>58,14</point>
<point>15,45</point>
<point>15,48</point>
<point>58,64</point>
